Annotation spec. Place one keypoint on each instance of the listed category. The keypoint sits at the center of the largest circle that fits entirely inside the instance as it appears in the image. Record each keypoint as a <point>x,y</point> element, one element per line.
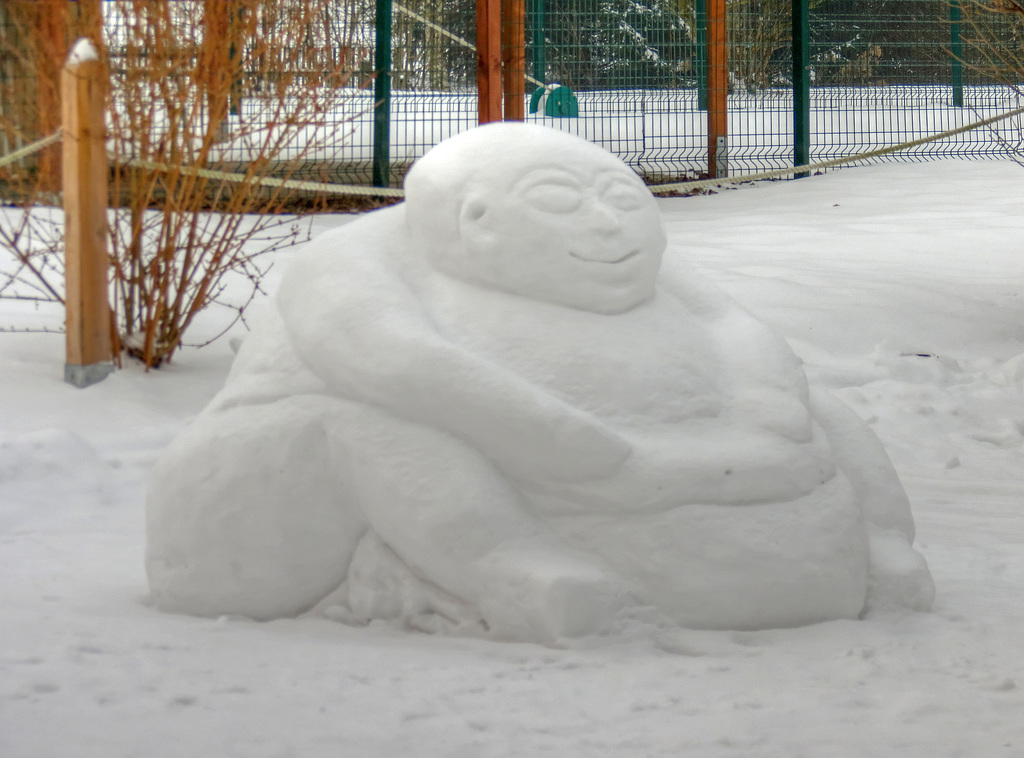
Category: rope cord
<point>270,181</point>
<point>34,147</point>
<point>783,172</point>
<point>342,189</point>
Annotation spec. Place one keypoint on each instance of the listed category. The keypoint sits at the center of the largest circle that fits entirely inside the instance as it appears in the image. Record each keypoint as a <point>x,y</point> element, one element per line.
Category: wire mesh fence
<point>905,69</point>
<point>633,71</point>
<point>882,72</point>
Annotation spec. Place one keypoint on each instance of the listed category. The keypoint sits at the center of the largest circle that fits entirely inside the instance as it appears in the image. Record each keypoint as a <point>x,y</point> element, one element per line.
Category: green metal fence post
<point>700,12</point>
<point>956,49</point>
<point>801,85</point>
<point>382,95</point>
<point>538,41</point>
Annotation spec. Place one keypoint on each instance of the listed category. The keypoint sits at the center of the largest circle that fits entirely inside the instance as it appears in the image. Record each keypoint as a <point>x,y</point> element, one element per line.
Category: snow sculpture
<point>501,406</point>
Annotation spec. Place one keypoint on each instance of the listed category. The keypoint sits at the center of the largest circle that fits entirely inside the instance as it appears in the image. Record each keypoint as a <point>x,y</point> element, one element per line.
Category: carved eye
<point>552,197</point>
<point>623,196</point>
<point>475,210</point>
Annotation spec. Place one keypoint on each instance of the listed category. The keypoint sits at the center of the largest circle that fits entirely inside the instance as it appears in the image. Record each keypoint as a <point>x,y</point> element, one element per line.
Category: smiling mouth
<point>626,257</point>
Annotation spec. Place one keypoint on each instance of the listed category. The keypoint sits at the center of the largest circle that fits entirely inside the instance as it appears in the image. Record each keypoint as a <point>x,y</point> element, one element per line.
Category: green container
<point>560,102</point>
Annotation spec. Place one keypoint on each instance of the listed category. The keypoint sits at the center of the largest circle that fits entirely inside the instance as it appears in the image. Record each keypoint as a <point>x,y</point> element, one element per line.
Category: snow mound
<point>67,466</point>
<point>506,407</point>
<point>44,454</point>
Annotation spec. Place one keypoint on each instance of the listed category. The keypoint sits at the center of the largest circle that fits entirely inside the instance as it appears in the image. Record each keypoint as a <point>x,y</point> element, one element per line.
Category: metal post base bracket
<point>721,157</point>
<point>83,376</point>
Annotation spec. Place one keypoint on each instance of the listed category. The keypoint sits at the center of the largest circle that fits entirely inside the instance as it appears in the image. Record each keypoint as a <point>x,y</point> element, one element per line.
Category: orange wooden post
<point>90,352</point>
<point>513,58</point>
<point>488,71</point>
<point>718,90</point>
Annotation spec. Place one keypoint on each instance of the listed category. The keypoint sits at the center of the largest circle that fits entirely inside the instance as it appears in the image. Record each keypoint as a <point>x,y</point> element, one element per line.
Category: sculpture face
<point>539,214</point>
<point>587,237</point>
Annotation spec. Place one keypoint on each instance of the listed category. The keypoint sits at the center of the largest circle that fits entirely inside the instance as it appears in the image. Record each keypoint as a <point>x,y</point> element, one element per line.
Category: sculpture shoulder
<point>696,291</point>
<point>359,268</point>
<point>707,301</point>
<point>371,245</point>
<point>266,368</point>
<point>348,297</point>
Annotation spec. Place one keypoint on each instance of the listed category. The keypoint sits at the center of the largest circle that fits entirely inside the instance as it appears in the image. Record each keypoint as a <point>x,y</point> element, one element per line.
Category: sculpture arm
<point>361,329</point>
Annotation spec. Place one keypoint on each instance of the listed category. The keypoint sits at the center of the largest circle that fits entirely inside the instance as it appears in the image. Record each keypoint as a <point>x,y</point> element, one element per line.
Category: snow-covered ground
<point>901,286</point>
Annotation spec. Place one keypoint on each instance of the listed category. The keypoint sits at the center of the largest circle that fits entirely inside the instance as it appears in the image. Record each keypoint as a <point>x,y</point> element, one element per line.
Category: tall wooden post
<point>488,70</point>
<point>88,326</point>
<point>513,58</point>
<point>718,90</point>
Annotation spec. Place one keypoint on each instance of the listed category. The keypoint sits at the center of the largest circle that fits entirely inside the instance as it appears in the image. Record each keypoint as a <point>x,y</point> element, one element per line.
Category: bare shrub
<point>243,86</point>
<point>221,84</point>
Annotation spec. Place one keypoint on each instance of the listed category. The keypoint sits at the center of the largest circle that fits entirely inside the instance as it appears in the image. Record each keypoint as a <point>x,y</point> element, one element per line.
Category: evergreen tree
<point>617,44</point>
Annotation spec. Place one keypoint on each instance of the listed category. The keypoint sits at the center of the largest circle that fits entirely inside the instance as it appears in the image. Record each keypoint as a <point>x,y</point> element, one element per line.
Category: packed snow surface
<point>900,288</point>
<point>495,408</point>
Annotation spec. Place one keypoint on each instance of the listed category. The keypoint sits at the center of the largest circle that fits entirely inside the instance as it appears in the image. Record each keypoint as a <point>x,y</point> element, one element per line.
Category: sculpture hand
<point>537,590</point>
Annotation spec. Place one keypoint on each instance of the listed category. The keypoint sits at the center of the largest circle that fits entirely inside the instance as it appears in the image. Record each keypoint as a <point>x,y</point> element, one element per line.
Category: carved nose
<point>604,219</point>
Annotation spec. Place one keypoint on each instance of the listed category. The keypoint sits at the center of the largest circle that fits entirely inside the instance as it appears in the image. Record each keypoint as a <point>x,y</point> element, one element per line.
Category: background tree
<point>994,37</point>
<point>617,44</point>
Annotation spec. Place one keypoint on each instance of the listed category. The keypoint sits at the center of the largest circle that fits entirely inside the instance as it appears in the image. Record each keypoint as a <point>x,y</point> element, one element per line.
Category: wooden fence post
<point>88,326</point>
<point>513,58</point>
<point>488,71</point>
<point>718,90</point>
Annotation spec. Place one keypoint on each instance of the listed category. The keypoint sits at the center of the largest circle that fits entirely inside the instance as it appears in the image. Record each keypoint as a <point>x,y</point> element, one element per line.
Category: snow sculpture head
<point>535,212</point>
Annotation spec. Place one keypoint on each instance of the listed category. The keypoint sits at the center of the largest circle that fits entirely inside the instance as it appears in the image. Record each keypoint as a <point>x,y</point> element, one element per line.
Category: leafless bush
<point>215,84</point>
<point>220,84</point>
